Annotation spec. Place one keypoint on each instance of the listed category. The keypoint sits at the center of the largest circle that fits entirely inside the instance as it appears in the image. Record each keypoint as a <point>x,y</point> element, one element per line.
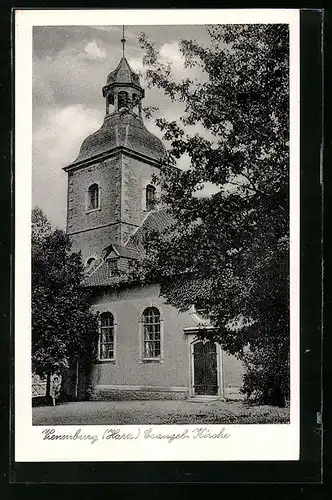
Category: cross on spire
<point>123,41</point>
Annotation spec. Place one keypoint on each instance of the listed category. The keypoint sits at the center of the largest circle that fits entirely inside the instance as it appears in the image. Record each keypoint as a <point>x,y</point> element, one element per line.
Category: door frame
<point>192,340</point>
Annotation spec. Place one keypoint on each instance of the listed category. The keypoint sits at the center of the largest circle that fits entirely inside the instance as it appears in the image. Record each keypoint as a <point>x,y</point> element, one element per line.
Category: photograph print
<point>160,241</point>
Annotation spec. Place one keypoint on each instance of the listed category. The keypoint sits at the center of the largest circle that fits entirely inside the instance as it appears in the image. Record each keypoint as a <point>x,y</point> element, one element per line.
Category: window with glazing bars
<point>106,336</point>
<point>151,333</point>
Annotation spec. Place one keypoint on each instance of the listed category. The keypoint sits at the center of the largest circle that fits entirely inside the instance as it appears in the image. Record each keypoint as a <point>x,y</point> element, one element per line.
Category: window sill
<point>151,360</point>
<point>101,361</point>
<point>93,210</point>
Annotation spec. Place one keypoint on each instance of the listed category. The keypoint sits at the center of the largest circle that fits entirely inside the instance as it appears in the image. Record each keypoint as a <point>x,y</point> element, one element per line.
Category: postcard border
<point>310,22</point>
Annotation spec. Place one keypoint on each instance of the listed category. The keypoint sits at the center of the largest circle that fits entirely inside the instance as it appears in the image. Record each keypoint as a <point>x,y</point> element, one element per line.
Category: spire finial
<point>123,41</point>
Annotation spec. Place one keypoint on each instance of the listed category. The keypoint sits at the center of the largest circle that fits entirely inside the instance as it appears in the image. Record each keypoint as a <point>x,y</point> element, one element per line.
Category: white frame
<point>90,210</point>
<point>157,188</point>
<point>192,340</point>
<point>155,197</point>
<point>246,442</point>
<point>108,360</point>
<point>142,358</point>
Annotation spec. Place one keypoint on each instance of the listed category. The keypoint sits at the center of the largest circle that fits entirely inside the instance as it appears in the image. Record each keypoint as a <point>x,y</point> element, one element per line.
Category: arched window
<point>109,102</point>
<point>150,197</point>
<point>151,333</point>
<point>90,261</point>
<point>123,100</point>
<point>106,336</point>
<point>93,197</point>
<point>134,101</point>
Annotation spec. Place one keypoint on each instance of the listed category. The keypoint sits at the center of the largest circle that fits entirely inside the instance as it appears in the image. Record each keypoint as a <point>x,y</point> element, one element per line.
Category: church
<point>147,349</point>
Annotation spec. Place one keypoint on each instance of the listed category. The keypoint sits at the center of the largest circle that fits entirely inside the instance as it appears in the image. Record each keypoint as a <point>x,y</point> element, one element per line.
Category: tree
<point>228,253</point>
<point>63,327</point>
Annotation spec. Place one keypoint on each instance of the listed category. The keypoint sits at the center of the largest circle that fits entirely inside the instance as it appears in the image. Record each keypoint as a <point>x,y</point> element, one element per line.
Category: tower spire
<point>123,89</point>
<point>123,41</point>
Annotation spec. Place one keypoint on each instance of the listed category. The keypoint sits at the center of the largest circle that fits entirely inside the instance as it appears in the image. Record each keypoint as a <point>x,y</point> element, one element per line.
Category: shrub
<point>266,376</point>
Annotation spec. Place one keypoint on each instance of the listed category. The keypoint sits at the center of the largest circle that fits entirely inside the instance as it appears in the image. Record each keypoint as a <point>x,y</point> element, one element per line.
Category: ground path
<point>157,412</point>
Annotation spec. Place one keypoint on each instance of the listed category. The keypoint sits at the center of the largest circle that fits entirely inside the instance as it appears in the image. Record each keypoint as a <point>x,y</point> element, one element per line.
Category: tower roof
<point>123,74</point>
<point>123,127</point>
<point>126,130</point>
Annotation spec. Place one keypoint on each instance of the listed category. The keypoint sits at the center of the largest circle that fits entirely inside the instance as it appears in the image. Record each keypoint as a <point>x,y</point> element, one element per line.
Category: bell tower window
<point>109,103</point>
<point>123,100</point>
<point>135,101</point>
<point>93,197</point>
<point>150,197</point>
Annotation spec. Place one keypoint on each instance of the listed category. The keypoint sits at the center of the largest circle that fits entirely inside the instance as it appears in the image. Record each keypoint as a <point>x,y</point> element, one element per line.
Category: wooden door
<point>205,369</point>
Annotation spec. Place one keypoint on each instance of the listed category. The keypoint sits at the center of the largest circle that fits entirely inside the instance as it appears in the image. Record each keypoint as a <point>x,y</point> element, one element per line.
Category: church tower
<point>110,188</point>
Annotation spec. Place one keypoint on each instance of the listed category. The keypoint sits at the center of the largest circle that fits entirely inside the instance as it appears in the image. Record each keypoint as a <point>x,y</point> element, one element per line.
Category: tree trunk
<point>76,379</point>
<point>48,389</point>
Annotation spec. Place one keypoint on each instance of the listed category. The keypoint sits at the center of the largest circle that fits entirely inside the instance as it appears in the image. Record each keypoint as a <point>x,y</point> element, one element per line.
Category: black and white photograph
<point>162,177</point>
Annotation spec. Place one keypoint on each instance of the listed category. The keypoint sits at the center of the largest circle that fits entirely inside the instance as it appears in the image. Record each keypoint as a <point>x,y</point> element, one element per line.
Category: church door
<point>205,368</point>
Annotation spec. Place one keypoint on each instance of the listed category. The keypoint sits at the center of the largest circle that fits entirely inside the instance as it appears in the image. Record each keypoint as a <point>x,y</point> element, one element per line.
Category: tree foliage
<point>228,252</point>
<point>63,327</point>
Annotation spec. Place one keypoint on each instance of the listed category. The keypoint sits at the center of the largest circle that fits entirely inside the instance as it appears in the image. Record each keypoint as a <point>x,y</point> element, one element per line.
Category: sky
<point>70,67</point>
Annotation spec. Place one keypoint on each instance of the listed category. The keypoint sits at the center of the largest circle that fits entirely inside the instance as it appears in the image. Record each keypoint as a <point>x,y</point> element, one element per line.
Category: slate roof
<point>123,74</point>
<point>191,286</point>
<point>122,130</point>
<point>100,277</point>
<point>128,253</point>
<point>157,220</point>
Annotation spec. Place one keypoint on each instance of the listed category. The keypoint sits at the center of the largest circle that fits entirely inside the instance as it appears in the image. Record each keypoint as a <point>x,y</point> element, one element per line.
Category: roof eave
<point>76,165</point>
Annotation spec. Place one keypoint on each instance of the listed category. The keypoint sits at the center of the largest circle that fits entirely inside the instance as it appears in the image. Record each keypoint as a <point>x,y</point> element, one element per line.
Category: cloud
<point>136,63</point>
<point>75,75</point>
<point>42,88</point>
<point>58,135</point>
<point>106,28</point>
<point>93,52</point>
<point>184,162</point>
<point>70,66</point>
<point>209,189</point>
<point>170,52</point>
<point>63,130</point>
